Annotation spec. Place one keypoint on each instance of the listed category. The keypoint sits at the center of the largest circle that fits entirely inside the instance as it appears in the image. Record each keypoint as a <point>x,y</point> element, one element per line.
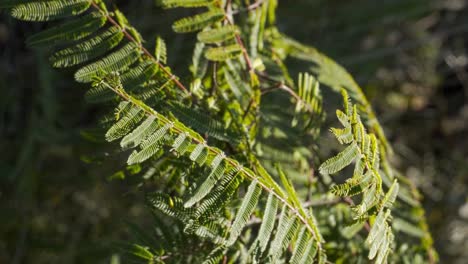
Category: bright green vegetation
<point>235,144</point>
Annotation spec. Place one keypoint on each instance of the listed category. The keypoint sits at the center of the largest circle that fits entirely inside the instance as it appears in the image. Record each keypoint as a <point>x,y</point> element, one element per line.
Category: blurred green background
<point>410,56</point>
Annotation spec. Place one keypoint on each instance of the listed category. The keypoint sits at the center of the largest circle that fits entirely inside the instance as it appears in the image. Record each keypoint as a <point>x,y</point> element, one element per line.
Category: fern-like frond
<point>160,51</point>
<point>199,62</point>
<point>140,133</point>
<point>181,143</point>
<point>129,119</point>
<point>171,139</point>
<point>248,205</point>
<point>149,146</point>
<point>140,74</point>
<point>333,75</point>
<point>287,228</point>
<point>300,247</point>
<point>391,195</point>
<point>309,93</point>
<point>219,186</point>
<point>353,186</point>
<point>116,61</point>
<point>268,223</point>
<point>223,53</point>
<point>380,237</point>
<point>202,123</point>
<point>199,154</point>
<point>215,256</point>
<point>408,228</point>
<point>218,35</point>
<point>217,170</point>
<point>99,94</point>
<point>208,230</point>
<point>87,50</point>
<point>171,206</point>
<point>366,180</point>
<point>311,251</point>
<point>219,196</point>
<point>71,30</point>
<point>343,159</point>
<point>344,135</point>
<point>198,22</point>
<point>49,10</point>
<point>186,3</point>
<point>237,85</point>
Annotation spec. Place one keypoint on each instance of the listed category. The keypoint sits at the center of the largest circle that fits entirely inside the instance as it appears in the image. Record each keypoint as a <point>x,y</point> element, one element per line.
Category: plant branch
<point>143,49</point>
<point>298,212</point>
<point>284,87</point>
<point>239,41</point>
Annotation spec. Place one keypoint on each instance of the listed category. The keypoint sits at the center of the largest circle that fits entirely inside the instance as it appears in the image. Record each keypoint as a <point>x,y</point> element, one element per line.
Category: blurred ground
<point>410,56</point>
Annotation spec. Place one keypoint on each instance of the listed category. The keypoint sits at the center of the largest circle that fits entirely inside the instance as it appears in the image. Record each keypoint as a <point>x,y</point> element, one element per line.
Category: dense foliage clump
<point>229,153</point>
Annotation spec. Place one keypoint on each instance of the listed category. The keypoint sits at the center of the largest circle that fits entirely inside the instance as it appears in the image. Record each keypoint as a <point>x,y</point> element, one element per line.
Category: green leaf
<point>218,35</point>
<point>186,3</point>
<point>220,196</point>
<point>249,202</point>
<point>139,75</point>
<point>369,199</point>
<point>385,248</point>
<point>114,62</point>
<point>215,256</point>
<point>140,133</point>
<point>199,154</point>
<point>181,143</point>
<point>378,227</point>
<point>124,125</point>
<point>353,186</point>
<point>72,30</point>
<point>49,10</point>
<point>202,123</point>
<point>207,231</point>
<point>286,230</point>
<point>160,51</point>
<point>239,87</point>
<point>408,228</point>
<point>343,159</point>
<point>344,136</point>
<point>223,53</point>
<point>217,170</point>
<point>171,206</point>
<point>292,195</point>
<point>391,195</point>
<point>300,246</point>
<point>149,146</point>
<point>268,223</point>
<point>87,50</point>
<point>351,230</point>
<point>141,252</point>
<point>309,92</point>
<point>310,253</point>
<point>198,22</point>
<point>99,93</point>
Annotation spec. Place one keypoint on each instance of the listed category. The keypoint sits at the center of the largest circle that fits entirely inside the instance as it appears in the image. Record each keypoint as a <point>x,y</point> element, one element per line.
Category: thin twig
<point>230,21</point>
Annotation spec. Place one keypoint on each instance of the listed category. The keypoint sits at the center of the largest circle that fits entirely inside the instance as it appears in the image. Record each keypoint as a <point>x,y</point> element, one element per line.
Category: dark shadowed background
<point>58,204</point>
